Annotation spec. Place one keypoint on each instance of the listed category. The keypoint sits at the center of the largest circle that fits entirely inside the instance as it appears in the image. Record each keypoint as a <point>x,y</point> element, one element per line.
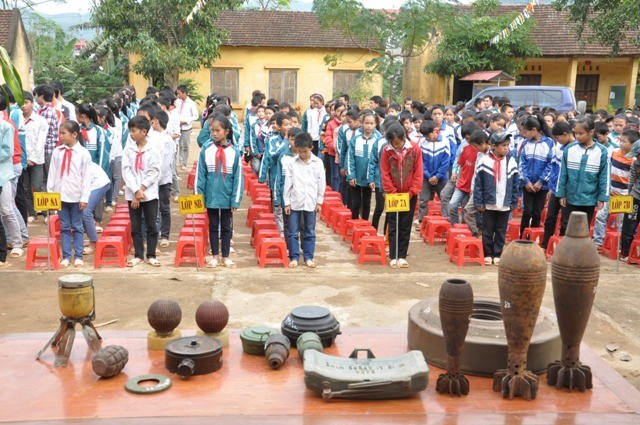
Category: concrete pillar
<point>572,72</point>
<point>632,83</point>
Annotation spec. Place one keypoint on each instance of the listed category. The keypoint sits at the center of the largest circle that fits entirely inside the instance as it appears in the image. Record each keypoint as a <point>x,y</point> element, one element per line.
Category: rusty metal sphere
<point>212,316</point>
<point>164,315</point>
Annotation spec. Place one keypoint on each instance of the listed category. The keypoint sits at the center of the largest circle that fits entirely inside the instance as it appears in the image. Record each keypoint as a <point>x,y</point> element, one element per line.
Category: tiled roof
<point>556,36</point>
<point>255,28</point>
<point>5,26</point>
<point>488,76</point>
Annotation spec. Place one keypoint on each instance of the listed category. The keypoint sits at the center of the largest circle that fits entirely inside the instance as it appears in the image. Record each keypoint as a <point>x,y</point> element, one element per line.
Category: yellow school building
<point>588,69</point>
<point>283,55</point>
<point>13,38</point>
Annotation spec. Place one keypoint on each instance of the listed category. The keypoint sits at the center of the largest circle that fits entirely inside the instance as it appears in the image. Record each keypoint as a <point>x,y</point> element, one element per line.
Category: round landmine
<point>212,316</point>
<point>223,336</point>
<point>164,316</point>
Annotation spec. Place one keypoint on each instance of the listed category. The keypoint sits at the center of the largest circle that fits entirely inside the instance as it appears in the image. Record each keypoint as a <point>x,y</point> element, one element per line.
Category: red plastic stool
<point>261,225</point>
<point>122,207</point>
<point>39,261</point>
<point>551,245</point>
<point>333,214</point>
<point>191,180</point>
<point>533,233</point>
<point>262,235</point>
<point>273,251</point>
<point>543,215</point>
<point>452,234</point>
<point>426,222</point>
<point>120,223</point>
<point>186,251</point>
<point>266,201</point>
<point>340,219</point>
<point>610,244</point>
<point>469,251</point>
<point>120,216</point>
<point>119,231</point>
<point>253,212</point>
<point>327,206</point>
<point>634,252</point>
<point>266,216</point>
<point>196,222</point>
<point>358,233</point>
<point>434,208</point>
<point>200,234</point>
<point>517,213</point>
<point>612,222</point>
<point>513,230</point>
<point>436,232</point>
<point>110,250</point>
<point>347,227</point>
<point>372,249</point>
<point>54,226</point>
<point>202,216</point>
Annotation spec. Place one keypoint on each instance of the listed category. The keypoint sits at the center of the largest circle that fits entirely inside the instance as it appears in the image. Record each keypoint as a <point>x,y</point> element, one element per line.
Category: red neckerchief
<point>221,160</point>
<point>139,165</point>
<point>106,127</point>
<point>496,167</point>
<point>85,134</point>
<point>66,161</point>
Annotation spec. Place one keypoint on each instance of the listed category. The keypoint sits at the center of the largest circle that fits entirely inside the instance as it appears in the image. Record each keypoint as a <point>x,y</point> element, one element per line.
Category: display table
<point>246,390</point>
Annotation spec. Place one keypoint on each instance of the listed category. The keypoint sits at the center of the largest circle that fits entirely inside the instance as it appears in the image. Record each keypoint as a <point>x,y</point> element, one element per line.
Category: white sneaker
<point>78,263</point>
<point>496,261</point>
<point>31,219</point>
<point>120,193</point>
<point>487,261</point>
<point>175,199</point>
<point>108,210</point>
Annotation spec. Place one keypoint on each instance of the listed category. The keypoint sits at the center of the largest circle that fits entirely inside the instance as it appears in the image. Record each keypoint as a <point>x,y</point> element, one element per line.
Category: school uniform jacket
<point>97,144</point>
<point>358,157</point>
<point>259,132</point>
<point>70,177</point>
<point>373,173</point>
<point>15,115</point>
<point>558,151</point>
<point>401,171</point>
<point>536,162</point>
<point>6,152</point>
<point>142,167</point>
<point>448,134</point>
<point>345,134</point>
<point>249,121</point>
<point>584,174</point>
<point>484,188</point>
<point>273,147</point>
<point>436,157</point>
<point>278,186</point>
<point>220,176</point>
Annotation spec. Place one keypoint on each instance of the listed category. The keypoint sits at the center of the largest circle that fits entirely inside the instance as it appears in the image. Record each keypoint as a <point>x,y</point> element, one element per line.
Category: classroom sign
<point>191,204</point>
<point>620,204</point>
<point>45,201</point>
<point>397,202</point>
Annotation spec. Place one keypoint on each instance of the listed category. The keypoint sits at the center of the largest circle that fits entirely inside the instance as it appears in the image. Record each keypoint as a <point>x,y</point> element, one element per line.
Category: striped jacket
<point>584,175</point>
<point>536,162</point>
<point>221,188</point>
<point>98,146</point>
<point>436,157</point>
<point>620,170</point>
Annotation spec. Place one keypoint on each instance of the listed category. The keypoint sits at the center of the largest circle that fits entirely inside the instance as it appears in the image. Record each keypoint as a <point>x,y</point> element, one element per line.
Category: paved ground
<point>369,295</point>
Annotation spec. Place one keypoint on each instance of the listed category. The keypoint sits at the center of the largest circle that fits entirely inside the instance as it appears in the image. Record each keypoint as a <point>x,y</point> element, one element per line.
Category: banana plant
<point>11,77</point>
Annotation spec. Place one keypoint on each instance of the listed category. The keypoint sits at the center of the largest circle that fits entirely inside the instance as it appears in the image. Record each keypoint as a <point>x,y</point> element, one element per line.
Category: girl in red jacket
<point>401,172</point>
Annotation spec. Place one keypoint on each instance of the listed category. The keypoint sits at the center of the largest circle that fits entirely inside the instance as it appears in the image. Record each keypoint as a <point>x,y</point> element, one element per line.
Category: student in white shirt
<point>304,186</point>
<point>100,184</point>
<point>166,176</point>
<point>187,113</point>
<point>141,164</point>
<point>69,175</point>
<point>36,128</point>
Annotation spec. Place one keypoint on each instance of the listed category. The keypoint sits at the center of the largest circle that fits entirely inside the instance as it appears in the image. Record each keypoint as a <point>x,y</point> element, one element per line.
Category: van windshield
<point>542,98</point>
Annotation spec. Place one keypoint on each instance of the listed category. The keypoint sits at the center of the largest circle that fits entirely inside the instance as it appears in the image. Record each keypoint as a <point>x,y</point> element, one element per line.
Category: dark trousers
<point>566,212</point>
<point>377,212</point>
<point>150,210</point>
<point>360,201</point>
<point>164,195</point>
<point>21,198</point>
<point>553,211</point>
<point>314,149</point>
<point>629,226</point>
<point>400,227</point>
<point>32,181</point>
<point>532,206</point>
<point>3,241</point>
<point>494,231</point>
<point>220,228</point>
<point>345,191</point>
<point>327,160</point>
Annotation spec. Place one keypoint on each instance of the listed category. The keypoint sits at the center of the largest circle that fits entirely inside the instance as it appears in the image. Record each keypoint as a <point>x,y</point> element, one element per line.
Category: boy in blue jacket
<point>585,173</point>
<point>436,159</point>
<point>495,194</point>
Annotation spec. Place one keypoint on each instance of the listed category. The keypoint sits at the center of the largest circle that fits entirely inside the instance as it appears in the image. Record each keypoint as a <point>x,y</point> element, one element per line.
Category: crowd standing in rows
<point>482,162</point>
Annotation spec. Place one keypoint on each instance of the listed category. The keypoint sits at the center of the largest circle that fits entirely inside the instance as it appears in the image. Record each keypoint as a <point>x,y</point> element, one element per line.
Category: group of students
<point>485,162</point>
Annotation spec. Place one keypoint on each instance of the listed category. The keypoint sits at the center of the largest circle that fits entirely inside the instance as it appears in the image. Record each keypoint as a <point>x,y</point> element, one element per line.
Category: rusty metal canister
<point>575,270</point>
<point>456,307</point>
<point>522,278</point>
<point>110,361</point>
<point>276,349</point>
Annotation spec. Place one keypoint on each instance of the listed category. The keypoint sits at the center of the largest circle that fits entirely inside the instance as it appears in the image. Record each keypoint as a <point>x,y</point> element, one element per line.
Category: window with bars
<point>344,81</point>
<point>225,82</point>
<point>283,85</point>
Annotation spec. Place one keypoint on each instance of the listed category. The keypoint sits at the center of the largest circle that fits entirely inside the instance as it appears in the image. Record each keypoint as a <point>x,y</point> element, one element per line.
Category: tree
<point>13,4</point>
<point>463,46</point>
<point>11,78</point>
<point>157,31</point>
<point>268,4</point>
<point>391,35</point>
<point>610,21</point>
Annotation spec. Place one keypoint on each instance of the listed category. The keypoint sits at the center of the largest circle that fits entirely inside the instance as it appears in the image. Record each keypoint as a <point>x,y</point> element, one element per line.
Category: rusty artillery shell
<point>521,279</point>
<point>575,270</point>
<point>456,306</point>
<point>110,361</point>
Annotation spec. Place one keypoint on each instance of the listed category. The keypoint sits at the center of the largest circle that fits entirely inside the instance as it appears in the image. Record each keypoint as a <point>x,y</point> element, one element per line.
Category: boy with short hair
<point>495,194</point>
<point>436,158</point>
<point>36,128</point>
<point>187,113</point>
<point>44,96</point>
<point>603,137</point>
<point>168,148</point>
<point>258,138</point>
<point>303,193</point>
